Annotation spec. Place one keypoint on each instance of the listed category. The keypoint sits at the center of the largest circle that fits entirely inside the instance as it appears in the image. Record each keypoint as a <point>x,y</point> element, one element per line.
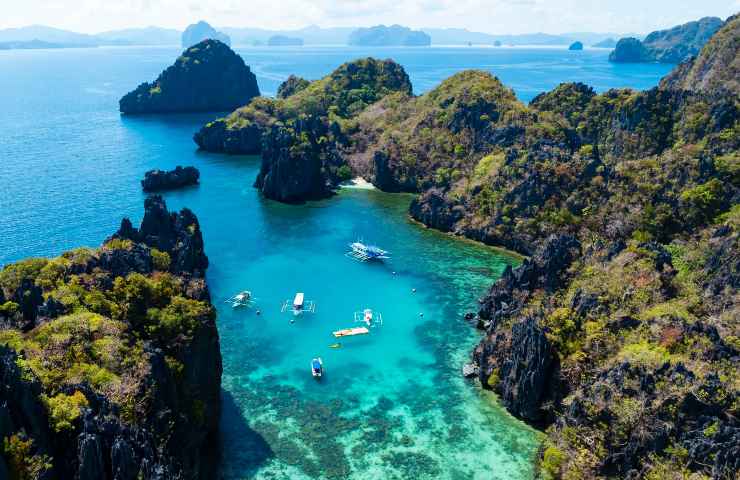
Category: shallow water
<point>392,404</point>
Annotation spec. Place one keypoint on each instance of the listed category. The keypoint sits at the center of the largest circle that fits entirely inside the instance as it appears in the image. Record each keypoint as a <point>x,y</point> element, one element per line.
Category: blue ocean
<point>392,404</point>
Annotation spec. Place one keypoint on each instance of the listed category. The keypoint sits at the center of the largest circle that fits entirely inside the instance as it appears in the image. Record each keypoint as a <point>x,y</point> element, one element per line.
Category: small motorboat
<point>241,299</point>
<point>317,367</point>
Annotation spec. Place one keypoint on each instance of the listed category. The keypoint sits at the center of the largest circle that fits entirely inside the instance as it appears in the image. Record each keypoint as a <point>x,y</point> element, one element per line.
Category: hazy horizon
<point>495,17</point>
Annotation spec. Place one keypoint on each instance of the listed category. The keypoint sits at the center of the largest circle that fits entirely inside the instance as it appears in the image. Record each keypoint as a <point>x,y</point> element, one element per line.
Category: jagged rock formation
<point>208,76</point>
<point>112,369</point>
<point>291,86</point>
<point>613,335</point>
<point>200,31</point>
<point>298,136</point>
<point>667,46</point>
<point>394,35</point>
<point>156,180</point>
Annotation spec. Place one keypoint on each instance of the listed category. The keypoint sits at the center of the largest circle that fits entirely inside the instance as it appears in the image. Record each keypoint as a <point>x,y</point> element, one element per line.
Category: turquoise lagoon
<point>392,404</point>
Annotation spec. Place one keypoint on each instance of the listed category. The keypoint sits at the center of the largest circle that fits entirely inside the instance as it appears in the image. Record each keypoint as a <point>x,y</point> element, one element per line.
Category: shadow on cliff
<point>246,449</point>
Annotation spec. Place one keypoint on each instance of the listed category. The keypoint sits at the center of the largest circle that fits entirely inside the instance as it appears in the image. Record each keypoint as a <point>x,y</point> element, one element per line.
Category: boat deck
<point>348,332</point>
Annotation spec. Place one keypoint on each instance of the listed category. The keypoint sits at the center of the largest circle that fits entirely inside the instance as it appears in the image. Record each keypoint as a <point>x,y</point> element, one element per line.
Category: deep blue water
<point>392,404</point>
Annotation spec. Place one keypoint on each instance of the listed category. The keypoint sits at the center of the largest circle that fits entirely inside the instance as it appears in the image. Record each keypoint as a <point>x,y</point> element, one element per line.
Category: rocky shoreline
<point>618,336</point>
<point>141,397</point>
<point>158,180</point>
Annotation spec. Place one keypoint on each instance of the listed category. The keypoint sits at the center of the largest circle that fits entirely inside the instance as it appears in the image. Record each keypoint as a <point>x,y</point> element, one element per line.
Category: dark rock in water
<point>216,136</point>
<point>469,316</point>
<point>432,210</point>
<point>291,86</point>
<point>200,31</point>
<point>155,180</point>
<point>519,365</point>
<point>667,46</point>
<point>576,46</point>
<point>519,362</point>
<point>287,176</point>
<point>207,77</point>
<point>284,41</point>
<point>178,234</point>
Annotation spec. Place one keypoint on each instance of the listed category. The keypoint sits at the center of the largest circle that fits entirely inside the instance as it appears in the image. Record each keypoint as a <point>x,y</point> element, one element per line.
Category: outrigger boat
<point>317,368</point>
<point>300,305</point>
<point>241,299</point>
<point>363,253</point>
<point>369,318</point>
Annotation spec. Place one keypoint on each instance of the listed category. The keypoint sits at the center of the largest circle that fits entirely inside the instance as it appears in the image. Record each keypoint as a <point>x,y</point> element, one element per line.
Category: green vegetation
<point>23,464</point>
<point>64,409</point>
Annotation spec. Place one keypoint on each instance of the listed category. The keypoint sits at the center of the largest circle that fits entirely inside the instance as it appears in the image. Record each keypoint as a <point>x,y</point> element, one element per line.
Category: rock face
<point>284,41</point>
<point>151,410</point>
<point>299,136</point>
<point>667,46</point>
<point>156,180</point>
<point>630,50</point>
<point>207,77</point>
<point>717,70</point>
<point>394,35</point>
<point>520,362</point>
<point>200,31</point>
<point>576,46</point>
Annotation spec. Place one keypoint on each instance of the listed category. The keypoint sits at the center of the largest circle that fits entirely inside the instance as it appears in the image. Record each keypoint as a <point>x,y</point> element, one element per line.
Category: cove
<point>392,405</point>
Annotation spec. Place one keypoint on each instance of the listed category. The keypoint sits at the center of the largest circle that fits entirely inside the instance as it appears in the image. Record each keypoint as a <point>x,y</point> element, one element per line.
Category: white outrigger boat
<point>241,299</point>
<point>363,253</point>
<point>299,305</point>
<point>369,318</point>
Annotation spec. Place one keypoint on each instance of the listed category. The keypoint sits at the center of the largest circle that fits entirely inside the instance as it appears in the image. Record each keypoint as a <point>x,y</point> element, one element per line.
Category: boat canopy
<point>298,300</point>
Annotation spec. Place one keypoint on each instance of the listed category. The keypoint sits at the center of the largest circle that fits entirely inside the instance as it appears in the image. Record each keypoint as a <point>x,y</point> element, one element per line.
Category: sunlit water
<point>392,404</point>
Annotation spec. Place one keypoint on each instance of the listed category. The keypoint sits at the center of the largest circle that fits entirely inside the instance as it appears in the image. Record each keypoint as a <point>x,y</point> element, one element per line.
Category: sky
<point>490,16</point>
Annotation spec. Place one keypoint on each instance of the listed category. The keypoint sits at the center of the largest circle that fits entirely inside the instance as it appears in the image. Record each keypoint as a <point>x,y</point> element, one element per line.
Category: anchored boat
<point>299,305</point>
<point>317,368</point>
<point>369,317</point>
<point>361,252</point>
<point>241,299</point>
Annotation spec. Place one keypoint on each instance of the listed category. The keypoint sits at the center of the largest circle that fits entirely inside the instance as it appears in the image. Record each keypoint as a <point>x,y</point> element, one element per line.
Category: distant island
<point>34,45</point>
<point>284,41</point>
<point>576,46</point>
<point>608,43</point>
<point>200,31</point>
<point>311,35</point>
<point>667,46</point>
<point>393,36</point>
<point>207,77</point>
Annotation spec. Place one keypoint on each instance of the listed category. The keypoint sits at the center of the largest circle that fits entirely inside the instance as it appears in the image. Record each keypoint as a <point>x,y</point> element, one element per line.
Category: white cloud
<point>493,16</point>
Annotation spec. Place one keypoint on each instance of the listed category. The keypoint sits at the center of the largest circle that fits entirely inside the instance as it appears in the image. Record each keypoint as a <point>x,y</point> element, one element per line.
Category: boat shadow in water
<point>240,441</point>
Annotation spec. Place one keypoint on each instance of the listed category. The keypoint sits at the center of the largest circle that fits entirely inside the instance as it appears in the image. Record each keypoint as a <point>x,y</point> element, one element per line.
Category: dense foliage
<point>104,330</point>
<point>620,336</point>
